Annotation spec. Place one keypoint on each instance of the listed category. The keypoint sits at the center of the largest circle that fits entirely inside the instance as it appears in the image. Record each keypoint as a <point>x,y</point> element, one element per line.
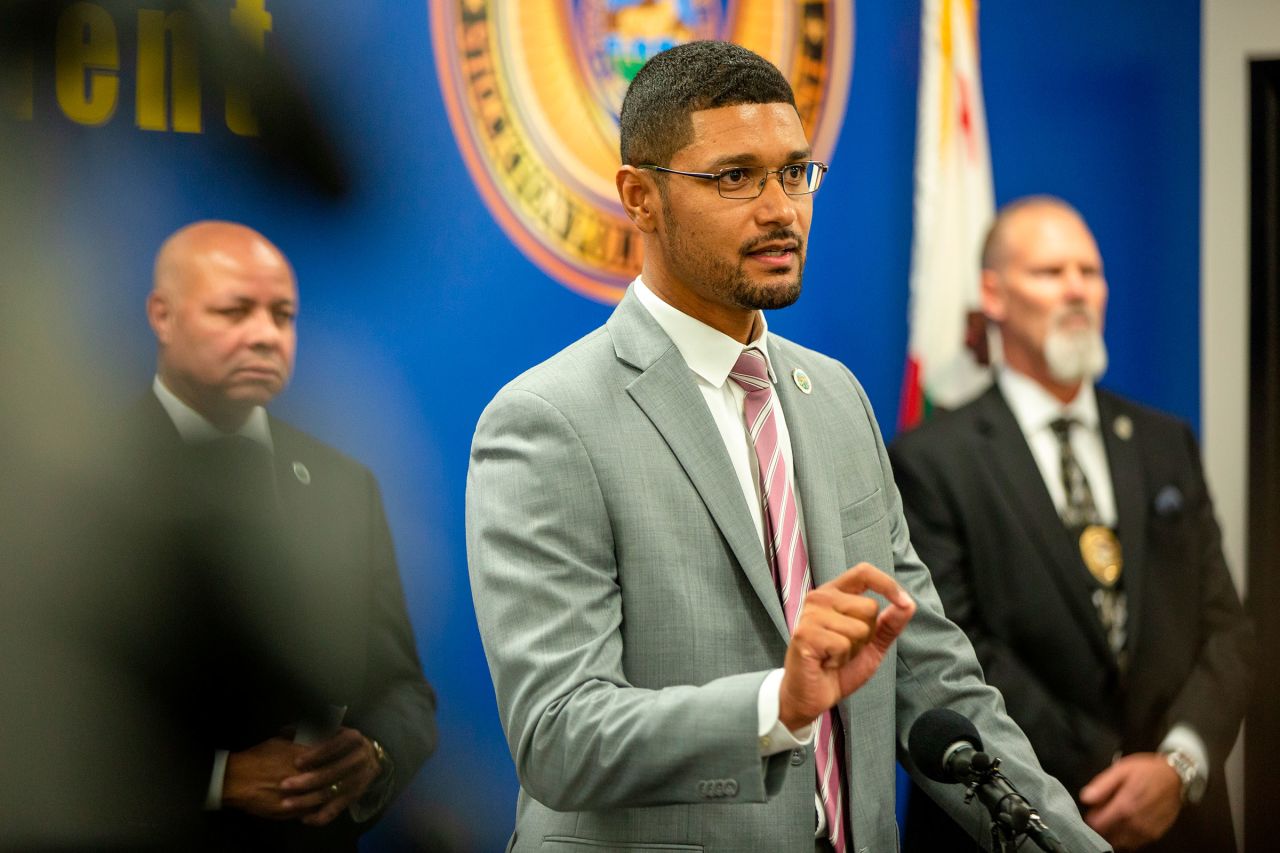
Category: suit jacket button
<point>731,787</point>
<point>797,757</point>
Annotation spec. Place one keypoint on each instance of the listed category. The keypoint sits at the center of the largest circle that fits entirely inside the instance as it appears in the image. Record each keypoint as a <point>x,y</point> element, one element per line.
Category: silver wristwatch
<point>1192,782</point>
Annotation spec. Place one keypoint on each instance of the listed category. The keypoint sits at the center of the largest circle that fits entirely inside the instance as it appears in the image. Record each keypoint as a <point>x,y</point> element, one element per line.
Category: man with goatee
<point>1070,533</point>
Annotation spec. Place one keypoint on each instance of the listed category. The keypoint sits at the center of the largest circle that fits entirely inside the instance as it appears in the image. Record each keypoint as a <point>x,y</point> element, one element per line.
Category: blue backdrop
<point>416,308</point>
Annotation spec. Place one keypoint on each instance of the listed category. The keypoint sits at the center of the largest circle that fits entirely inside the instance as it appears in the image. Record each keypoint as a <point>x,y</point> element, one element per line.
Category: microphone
<point>946,747</point>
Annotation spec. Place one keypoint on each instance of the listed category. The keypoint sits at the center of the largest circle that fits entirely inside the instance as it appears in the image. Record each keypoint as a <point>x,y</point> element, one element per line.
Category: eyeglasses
<point>800,178</point>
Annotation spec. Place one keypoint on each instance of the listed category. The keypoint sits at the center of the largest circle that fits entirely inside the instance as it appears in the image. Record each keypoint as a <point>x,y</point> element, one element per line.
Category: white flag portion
<point>954,206</point>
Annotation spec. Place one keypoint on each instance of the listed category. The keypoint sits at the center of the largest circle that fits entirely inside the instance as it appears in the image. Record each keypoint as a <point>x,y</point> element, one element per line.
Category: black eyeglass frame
<point>716,176</point>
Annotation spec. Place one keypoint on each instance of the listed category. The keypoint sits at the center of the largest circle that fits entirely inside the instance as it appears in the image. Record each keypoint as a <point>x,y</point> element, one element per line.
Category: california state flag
<point>953,209</point>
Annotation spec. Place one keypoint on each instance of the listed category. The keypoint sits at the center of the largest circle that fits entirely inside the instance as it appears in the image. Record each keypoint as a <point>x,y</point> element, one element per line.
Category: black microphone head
<point>932,734</point>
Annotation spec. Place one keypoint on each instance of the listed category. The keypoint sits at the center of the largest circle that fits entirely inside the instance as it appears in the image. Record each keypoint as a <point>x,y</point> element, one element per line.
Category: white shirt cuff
<point>774,736</point>
<point>213,799</point>
<point>1184,738</point>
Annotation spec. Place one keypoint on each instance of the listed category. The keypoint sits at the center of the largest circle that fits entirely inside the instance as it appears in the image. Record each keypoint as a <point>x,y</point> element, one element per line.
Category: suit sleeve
<point>1079,742</point>
<point>548,600</point>
<point>1212,699</point>
<point>936,667</point>
<point>401,706</point>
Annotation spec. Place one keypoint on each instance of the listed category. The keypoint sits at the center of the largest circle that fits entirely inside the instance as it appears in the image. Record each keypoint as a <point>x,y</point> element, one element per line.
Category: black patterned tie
<point>1080,509</point>
<point>1078,512</point>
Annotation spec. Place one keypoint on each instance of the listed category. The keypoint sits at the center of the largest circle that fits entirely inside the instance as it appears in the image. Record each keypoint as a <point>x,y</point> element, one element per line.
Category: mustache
<point>772,237</point>
<point>1071,312</point>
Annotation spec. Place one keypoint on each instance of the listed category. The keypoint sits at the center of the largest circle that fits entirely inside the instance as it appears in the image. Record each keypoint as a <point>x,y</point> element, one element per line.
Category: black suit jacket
<point>282,597</point>
<point>1010,574</point>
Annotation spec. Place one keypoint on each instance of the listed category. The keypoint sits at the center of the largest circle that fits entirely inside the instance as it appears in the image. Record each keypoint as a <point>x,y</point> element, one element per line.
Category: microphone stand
<point>1011,815</point>
<point>1008,815</point>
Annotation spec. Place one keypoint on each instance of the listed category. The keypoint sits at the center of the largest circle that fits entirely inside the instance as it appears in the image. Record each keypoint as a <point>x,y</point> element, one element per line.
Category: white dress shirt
<point>711,354</point>
<point>1035,409</point>
<point>196,428</point>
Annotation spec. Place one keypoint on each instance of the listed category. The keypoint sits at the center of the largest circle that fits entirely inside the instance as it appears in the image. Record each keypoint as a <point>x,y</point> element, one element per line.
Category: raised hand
<point>839,641</point>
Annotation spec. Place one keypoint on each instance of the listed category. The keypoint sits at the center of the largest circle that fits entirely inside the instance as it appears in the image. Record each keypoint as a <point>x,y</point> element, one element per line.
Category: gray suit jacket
<point>629,616</point>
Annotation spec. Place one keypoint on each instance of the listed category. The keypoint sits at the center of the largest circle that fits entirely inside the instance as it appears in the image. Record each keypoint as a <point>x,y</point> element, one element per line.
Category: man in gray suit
<point>639,553</point>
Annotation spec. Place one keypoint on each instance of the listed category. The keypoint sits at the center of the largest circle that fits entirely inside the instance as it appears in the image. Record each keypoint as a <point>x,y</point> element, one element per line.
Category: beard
<point>775,292</point>
<point>1075,354</point>
<point>729,282</point>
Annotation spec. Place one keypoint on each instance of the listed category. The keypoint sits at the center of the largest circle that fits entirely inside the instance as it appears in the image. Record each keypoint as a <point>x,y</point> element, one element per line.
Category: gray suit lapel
<point>812,457</point>
<point>814,461</point>
<point>667,392</point>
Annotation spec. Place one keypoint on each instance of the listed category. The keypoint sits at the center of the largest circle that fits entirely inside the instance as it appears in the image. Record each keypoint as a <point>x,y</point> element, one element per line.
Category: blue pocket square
<point>1168,500</point>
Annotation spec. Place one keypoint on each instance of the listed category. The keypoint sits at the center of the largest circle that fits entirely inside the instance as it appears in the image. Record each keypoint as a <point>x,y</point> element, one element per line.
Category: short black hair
<point>699,75</point>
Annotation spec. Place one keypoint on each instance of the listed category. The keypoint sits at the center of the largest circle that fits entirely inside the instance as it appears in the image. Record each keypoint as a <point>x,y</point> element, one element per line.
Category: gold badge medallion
<point>1101,552</point>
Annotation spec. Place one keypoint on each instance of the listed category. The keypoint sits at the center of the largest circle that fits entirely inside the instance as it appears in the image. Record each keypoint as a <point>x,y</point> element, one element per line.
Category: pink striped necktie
<point>788,559</point>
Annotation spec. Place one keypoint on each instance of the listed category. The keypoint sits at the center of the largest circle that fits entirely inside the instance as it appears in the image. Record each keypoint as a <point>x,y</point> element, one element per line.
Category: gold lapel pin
<point>802,380</point>
<point>300,471</point>
<point>1123,427</point>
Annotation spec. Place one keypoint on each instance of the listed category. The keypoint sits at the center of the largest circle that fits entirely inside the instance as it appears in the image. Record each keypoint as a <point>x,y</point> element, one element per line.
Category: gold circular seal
<point>1101,552</point>
<point>533,88</point>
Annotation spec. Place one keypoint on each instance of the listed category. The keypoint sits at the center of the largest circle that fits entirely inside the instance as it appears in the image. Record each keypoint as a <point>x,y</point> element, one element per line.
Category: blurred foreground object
<point>194,63</point>
<point>143,596</point>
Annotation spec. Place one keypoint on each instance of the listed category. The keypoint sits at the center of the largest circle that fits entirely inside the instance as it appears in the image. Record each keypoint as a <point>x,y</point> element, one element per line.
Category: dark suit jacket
<point>289,601</point>
<point>1010,574</point>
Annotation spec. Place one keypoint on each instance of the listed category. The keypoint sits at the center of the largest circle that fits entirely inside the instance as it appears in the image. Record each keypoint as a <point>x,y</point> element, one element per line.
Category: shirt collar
<point>1035,408</point>
<point>709,352</point>
<point>195,427</point>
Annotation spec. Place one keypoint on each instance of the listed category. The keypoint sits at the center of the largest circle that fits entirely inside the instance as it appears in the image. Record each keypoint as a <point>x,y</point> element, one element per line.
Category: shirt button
<point>765,743</point>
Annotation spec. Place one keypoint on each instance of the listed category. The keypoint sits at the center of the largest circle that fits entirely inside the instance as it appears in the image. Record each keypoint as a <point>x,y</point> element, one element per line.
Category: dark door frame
<point>1262,726</point>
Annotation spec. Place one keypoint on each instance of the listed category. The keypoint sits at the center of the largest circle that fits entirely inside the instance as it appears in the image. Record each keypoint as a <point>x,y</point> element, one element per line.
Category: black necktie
<point>1080,509</point>
<point>239,473</point>
<point>1079,513</point>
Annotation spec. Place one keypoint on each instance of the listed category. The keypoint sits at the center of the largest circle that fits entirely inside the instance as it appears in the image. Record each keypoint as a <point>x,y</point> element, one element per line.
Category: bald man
<point>314,711</point>
<point>1070,533</point>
